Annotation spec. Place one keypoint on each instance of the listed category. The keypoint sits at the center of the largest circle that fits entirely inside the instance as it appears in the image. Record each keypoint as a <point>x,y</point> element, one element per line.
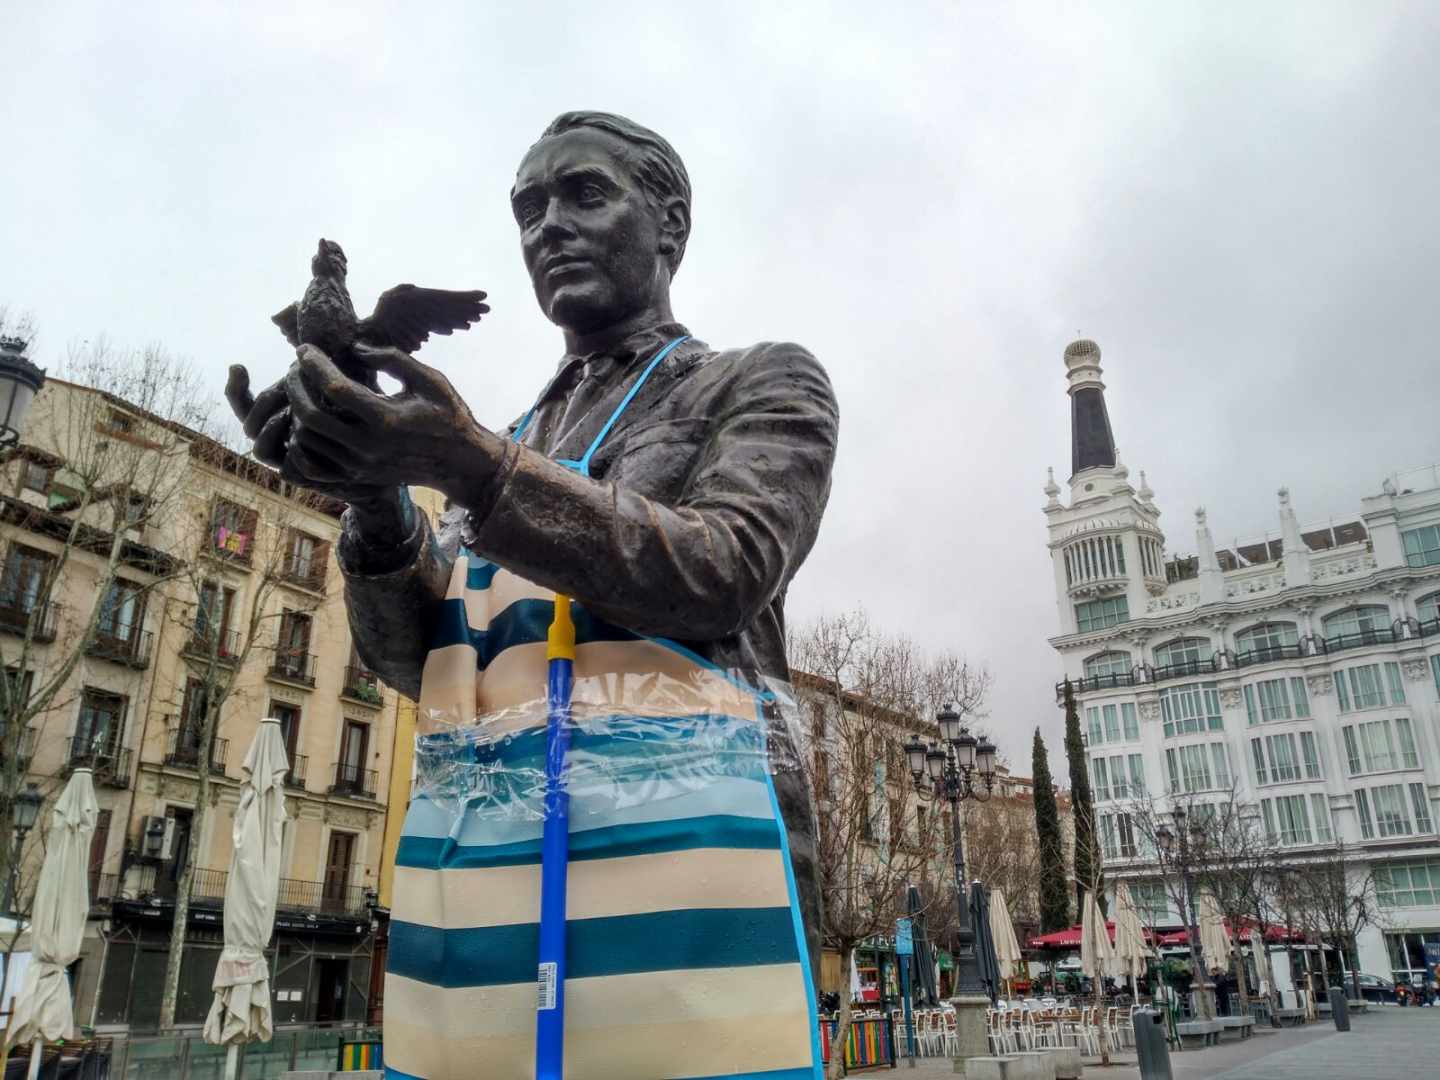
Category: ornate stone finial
<point>1388,486</point>
<point>1052,489</point>
<point>1122,471</point>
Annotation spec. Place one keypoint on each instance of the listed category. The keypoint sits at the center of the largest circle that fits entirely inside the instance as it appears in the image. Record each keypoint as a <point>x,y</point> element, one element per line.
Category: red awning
<point>1272,935</point>
<point>1064,939</point>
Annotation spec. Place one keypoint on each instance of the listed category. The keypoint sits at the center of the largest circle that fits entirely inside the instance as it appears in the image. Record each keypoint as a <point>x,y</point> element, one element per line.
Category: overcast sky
<point>1236,201</point>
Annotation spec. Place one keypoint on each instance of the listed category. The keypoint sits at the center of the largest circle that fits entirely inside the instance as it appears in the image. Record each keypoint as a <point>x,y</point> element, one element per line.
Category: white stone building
<point>1298,673</point>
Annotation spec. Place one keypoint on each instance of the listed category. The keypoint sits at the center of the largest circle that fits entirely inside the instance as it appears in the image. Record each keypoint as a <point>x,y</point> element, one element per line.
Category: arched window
<point>1188,652</point>
<point>1108,663</point>
<point>1370,619</point>
<point>1428,607</point>
<point>1271,639</point>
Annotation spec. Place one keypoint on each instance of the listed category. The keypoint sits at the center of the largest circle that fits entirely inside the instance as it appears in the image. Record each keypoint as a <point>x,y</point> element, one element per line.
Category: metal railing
<point>1186,668</point>
<point>1096,682</point>
<point>297,1048</point>
<point>363,685</point>
<point>132,651</point>
<point>294,665</point>
<point>183,749</point>
<point>353,780</point>
<point>295,775</point>
<point>1268,654</point>
<point>1359,639</point>
<point>206,641</point>
<point>17,613</point>
<point>207,887</point>
<point>110,762</point>
<point>308,571</point>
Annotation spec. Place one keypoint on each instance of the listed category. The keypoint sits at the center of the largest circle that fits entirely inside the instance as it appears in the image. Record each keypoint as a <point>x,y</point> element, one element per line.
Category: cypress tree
<point>1054,893</point>
<point>1082,805</point>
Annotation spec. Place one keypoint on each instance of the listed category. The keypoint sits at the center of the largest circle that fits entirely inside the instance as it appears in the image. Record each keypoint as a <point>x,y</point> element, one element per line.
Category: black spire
<point>1092,444</point>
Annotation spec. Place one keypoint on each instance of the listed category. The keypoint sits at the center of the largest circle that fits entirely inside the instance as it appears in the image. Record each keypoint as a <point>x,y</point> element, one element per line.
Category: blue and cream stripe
<point>684,945</point>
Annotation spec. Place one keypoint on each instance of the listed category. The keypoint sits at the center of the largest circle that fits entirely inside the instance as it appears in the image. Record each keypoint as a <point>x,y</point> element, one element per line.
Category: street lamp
<point>20,381</point>
<point>956,766</point>
<point>1175,850</point>
<point>25,810</point>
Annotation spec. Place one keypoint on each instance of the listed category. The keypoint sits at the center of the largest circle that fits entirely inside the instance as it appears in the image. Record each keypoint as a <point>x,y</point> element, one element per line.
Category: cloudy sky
<point>1236,201</point>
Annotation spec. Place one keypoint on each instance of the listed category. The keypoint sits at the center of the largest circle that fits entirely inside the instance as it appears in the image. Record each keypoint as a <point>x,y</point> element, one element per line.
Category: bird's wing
<point>406,316</point>
<point>289,323</point>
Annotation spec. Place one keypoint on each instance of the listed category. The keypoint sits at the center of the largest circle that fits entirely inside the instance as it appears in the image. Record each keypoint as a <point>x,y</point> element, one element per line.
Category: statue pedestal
<point>970,1028</point>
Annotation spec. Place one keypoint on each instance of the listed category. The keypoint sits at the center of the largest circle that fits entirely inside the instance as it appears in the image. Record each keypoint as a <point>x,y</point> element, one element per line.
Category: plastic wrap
<point>633,741</point>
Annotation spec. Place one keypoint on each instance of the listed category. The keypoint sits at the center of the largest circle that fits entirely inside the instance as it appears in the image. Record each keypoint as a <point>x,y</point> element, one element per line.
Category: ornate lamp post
<point>1175,850</point>
<point>25,812</point>
<point>957,766</point>
<point>20,381</point>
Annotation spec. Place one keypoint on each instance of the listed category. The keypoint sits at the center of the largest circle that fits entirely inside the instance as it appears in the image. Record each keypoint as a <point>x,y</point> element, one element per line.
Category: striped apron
<point>685,949</point>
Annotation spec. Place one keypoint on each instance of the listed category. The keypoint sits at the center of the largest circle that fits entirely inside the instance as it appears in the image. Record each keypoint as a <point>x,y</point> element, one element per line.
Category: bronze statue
<point>672,489</point>
<point>404,318</point>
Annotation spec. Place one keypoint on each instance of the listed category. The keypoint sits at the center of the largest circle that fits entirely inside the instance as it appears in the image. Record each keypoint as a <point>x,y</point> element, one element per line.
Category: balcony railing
<point>183,750</point>
<point>207,887</point>
<point>293,666</point>
<point>1359,639</point>
<point>295,775</point>
<point>1096,682</point>
<point>307,571</point>
<point>24,746</point>
<point>353,780</point>
<point>17,613</point>
<point>321,896</point>
<point>110,762</point>
<point>1429,627</point>
<point>1186,669</point>
<point>132,651</point>
<point>206,641</point>
<point>362,685</point>
<point>1268,654</point>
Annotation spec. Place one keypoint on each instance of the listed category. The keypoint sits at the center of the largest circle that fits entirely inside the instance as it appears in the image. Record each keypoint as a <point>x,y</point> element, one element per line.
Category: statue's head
<point>329,259</point>
<point>603,206</point>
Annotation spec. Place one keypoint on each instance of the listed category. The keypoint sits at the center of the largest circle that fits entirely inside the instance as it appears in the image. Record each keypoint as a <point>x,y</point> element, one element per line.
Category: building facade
<point>229,588</point>
<point>1296,674</point>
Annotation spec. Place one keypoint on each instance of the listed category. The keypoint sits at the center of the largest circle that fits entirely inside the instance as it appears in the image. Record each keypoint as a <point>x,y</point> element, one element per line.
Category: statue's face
<point>589,235</point>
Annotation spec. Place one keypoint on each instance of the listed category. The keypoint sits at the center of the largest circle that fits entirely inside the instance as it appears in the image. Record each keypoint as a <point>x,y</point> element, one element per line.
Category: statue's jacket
<point>690,913</point>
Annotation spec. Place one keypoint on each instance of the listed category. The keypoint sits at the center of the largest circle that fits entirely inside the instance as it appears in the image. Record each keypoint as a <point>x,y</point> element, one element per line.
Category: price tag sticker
<point>547,986</point>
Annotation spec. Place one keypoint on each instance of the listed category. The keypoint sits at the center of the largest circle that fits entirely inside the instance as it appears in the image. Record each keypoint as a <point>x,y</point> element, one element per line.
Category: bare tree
<point>867,694</point>
<point>1094,885</point>
<point>1001,850</point>
<point>1335,895</point>
<point>262,534</point>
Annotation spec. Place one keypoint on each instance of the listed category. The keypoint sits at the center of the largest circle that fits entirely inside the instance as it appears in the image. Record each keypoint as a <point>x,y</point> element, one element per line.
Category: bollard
<point>1151,1047</point>
<point>1339,1009</point>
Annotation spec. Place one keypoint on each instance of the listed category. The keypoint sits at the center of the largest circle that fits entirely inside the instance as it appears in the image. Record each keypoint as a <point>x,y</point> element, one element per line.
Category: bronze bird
<point>404,317</point>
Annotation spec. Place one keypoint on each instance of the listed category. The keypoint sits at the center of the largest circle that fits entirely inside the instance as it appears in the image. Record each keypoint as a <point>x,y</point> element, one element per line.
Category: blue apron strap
<point>582,466</point>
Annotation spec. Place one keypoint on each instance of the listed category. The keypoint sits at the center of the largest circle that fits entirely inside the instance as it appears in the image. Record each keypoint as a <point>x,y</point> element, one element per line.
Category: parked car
<point>1372,987</point>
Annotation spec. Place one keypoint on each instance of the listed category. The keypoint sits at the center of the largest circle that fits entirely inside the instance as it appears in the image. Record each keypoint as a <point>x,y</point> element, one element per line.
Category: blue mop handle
<point>554,849</point>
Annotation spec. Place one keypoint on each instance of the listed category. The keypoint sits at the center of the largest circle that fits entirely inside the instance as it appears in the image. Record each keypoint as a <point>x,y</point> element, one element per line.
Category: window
<point>1392,815</point>
<point>136,507</point>
<point>98,728</point>
<point>292,650</point>
<point>1375,746</point>
<point>1435,670</point>
<point>1117,836</point>
<point>1096,733</point>
<point>1365,687</point>
<point>1108,664</point>
<point>1132,725</point>
<point>1393,805</point>
<point>1358,624</point>
<point>1137,776</point>
<point>1191,708</point>
<point>120,613</point>
<point>26,579</point>
<point>1151,902</point>
<point>1422,546</point>
<point>1408,884</point>
<point>289,717</point>
<point>212,620</point>
<point>1099,779</point>
<point>1276,699</point>
<point>232,529</point>
<point>1187,653</point>
<point>1287,820</point>
<point>1197,767</point>
<point>305,559</point>
<point>37,477</point>
<point>1428,607</point>
<point>1099,614</point>
<point>1267,641</point>
<point>1310,754</point>
<point>1112,723</point>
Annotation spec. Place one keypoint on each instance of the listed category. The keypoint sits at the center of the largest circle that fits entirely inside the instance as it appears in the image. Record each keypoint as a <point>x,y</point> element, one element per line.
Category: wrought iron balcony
<point>1360,639</point>
<point>1268,654</point>
<point>1186,669</point>
<point>295,775</point>
<point>109,761</point>
<point>1096,682</point>
<point>293,665</point>
<point>206,641</point>
<point>132,651</point>
<point>307,571</point>
<point>363,685</point>
<point>207,888</point>
<point>183,750</point>
<point>17,613</point>
<point>352,780</point>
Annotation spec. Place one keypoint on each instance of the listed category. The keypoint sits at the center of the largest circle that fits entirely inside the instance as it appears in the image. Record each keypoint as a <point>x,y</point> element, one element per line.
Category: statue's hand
<point>269,423</point>
<point>344,431</point>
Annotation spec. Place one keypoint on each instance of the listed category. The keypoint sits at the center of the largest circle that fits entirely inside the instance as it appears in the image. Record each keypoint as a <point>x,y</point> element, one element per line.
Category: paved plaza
<point>1384,1044</point>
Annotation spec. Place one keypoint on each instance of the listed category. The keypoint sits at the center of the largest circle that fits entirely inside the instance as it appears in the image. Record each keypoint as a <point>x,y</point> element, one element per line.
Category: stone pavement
<point>1387,1043</point>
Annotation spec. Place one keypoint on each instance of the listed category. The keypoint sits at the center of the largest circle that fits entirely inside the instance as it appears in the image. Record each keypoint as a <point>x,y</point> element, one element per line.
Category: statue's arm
<point>396,571</point>
<point>703,567</point>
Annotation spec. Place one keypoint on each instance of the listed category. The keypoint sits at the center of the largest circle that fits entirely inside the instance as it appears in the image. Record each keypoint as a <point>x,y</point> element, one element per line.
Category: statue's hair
<point>655,163</point>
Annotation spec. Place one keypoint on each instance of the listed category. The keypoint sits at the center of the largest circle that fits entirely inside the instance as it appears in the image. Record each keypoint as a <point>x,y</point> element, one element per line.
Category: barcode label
<point>547,986</point>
